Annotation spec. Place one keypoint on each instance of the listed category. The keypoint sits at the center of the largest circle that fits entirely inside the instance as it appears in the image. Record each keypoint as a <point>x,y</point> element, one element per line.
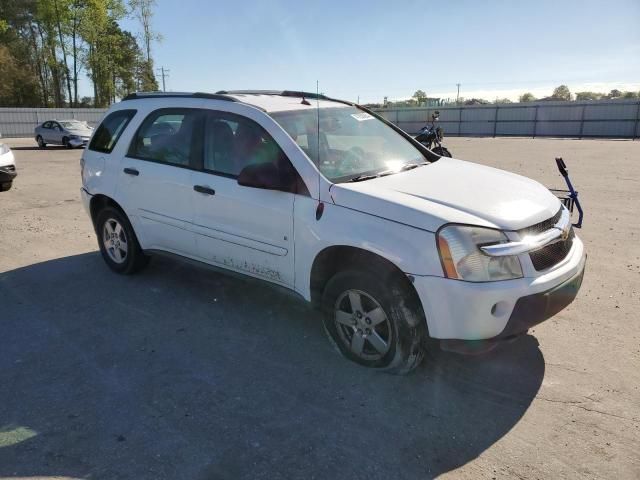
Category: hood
<point>81,132</point>
<point>451,191</point>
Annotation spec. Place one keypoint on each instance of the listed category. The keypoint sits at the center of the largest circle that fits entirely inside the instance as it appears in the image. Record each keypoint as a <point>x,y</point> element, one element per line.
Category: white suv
<point>395,244</point>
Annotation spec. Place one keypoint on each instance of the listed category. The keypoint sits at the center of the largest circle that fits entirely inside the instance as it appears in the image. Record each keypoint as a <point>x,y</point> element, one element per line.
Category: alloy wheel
<point>115,241</point>
<point>362,325</point>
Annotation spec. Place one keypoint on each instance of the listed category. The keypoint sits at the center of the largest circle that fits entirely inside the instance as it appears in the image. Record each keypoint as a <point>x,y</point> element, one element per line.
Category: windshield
<point>352,143</point>
<point>74,124</point>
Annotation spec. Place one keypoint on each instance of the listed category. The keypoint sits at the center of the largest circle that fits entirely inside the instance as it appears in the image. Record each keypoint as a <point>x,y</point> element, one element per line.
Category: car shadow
<point>48,147</point>
<point>180,372</point>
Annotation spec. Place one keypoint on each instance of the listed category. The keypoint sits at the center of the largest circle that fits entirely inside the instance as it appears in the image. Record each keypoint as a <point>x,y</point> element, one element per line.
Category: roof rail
<point>211,96</point>
<point>281,93</point>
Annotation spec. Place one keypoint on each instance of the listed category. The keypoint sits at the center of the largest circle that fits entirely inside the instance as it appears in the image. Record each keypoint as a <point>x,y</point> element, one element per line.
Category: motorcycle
<point>431,136</point>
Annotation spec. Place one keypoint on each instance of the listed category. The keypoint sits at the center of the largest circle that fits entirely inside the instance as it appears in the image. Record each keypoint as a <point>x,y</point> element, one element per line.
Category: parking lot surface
<point>185,373</point>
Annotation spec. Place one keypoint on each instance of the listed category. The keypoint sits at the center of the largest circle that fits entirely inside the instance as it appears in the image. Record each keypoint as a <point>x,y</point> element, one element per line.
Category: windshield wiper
<point>384,173</point>
<point>361,178</point>
<point>411,166</point>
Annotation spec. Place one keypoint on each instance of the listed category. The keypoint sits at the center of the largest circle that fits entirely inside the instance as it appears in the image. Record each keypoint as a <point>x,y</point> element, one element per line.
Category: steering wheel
<point>353,159</point>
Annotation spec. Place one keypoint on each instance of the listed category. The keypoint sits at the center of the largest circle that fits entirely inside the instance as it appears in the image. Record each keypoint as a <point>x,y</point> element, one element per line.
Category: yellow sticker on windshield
<point>361,117</point>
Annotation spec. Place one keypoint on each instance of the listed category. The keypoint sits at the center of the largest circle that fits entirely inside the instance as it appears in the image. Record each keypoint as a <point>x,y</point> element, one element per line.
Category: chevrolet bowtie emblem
<point>565,233</point>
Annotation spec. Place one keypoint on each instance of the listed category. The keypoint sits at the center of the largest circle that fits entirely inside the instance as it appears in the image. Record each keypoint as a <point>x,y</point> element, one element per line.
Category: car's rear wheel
<point>373,321</point>
<point>118,243</point>
<point>40,141</point>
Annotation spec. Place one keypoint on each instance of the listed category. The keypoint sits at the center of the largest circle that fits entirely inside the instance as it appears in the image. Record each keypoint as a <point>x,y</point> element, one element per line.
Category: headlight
<point>4,148</point>
<point>459,248</point>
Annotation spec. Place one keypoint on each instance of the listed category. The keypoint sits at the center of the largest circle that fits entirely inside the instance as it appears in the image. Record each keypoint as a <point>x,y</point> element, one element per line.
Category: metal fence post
<point>495,121</point>
<point>582,121</point>
<point>635,131</point>
<point>535,122</point>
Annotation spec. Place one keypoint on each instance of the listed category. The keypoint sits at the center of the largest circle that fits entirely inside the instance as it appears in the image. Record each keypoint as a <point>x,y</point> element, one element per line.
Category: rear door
<point>56,133</point>
<point>245,229</point>
<point>45,131</point>
<point>155,179</point>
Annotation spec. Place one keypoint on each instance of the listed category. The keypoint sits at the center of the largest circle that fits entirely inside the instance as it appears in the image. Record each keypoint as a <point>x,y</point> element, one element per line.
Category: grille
<point>548,256</point>
<point>542,226</point>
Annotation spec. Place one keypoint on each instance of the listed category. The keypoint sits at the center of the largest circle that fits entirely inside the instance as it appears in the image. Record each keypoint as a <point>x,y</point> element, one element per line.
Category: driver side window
<point>232,143</point>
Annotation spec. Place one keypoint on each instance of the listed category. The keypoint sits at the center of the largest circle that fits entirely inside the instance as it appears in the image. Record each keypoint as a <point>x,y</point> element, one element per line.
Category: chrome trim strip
<point>559,232</point>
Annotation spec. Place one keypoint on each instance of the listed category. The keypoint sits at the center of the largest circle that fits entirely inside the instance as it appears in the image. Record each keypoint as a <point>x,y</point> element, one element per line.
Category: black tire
<point>405,332</point>
<point>134,259</point>
<point>65,142</point>
<point>40,141</point>
<point>443,152</point>
<point>4,187</point>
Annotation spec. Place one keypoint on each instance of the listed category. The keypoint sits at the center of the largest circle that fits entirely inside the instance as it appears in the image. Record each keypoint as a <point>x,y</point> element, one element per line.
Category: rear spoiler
<point>568,197</point>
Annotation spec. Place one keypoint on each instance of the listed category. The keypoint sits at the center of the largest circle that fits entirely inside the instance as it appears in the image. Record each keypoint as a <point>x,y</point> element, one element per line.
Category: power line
<point>164,72</point>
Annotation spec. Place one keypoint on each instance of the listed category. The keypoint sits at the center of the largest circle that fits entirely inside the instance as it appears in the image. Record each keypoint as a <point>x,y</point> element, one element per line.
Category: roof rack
<point>211,96</point>
<point>280,93</point>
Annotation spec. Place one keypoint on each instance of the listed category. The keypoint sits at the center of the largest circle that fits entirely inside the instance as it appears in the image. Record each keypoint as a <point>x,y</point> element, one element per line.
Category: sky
<point>370,49</point>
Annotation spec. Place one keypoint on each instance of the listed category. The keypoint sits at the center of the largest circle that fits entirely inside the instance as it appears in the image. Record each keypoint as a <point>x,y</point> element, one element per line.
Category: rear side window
<point>167,136</point>
<point>109,131</point>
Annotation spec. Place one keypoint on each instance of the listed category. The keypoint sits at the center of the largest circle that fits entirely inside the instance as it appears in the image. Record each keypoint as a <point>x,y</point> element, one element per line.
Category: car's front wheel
<point>374,321</point>
<point>66,143</point>
<point>118,243</point>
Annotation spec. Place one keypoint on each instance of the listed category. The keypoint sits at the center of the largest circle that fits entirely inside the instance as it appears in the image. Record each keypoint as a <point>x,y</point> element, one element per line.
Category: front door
<point>249,230</point>
<point>155,180</point>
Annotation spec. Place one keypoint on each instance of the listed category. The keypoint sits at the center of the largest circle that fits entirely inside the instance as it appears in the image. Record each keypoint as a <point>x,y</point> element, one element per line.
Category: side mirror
<point>263,175</point>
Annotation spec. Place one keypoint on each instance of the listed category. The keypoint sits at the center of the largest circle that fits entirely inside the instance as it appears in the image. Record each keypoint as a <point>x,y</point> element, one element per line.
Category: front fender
<point>410,249</point>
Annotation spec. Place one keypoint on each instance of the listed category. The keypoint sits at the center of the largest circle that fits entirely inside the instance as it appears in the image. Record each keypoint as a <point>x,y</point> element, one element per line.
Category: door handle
<point>131,171</point>
<point>203,189</point>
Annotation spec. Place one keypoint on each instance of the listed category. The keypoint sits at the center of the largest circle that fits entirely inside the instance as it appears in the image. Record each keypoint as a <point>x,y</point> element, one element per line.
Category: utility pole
<point>164,72</point>
<point>458,95</point>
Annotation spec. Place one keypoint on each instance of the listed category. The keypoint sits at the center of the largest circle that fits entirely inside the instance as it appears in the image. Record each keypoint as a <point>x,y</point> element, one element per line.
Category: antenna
<point>318,140</point>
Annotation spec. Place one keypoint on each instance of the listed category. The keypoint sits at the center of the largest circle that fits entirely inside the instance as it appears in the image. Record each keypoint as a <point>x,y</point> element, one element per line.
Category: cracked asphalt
<point>184,373</point>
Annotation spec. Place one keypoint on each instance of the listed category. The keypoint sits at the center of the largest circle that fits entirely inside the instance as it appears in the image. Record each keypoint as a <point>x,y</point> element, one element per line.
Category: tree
<point>47,43</point>
<point>561,93</point>
<point>631,95</point>
<point>22,56</point>
<point>146,80</point>
<point>143,11</point>
<point>527,97</point>
<point>476,101</point>
<point>18,86</point>
<point>588,96</point>
<point>615,93</point>
<point>503,100</point>
<point>420,96</point>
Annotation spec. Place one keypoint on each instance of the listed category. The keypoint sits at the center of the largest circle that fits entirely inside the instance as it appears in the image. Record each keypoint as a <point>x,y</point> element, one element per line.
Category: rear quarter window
<point>107,134</point>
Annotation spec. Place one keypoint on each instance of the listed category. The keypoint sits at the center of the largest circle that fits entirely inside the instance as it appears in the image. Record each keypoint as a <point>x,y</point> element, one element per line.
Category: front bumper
<point>78,142</point>
<point>7,173</point>
<point>458,310</point>
<point>86,201</point>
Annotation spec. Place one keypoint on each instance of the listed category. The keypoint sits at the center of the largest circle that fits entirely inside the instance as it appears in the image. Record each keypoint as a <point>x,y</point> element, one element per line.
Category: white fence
<point>608,118</point>
<point>20,122</point>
